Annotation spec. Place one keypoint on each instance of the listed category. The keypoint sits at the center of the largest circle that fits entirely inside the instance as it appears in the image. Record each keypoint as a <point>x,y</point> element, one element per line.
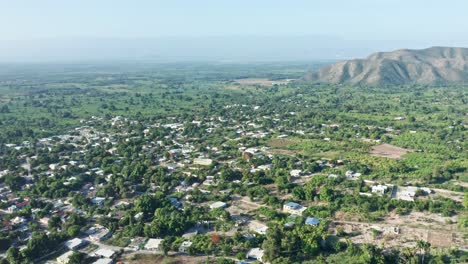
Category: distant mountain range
<point>432,66</point>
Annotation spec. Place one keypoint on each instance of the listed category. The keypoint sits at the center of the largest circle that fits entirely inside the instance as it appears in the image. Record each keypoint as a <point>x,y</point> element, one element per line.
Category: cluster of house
<point>86,137</point>
<point>351,175</point>
<point>408,193</point>
<point>102,255</point>
<point>405,193</point>
<point>177,152</point>
<point>154,244</point>
<point>296,209</point>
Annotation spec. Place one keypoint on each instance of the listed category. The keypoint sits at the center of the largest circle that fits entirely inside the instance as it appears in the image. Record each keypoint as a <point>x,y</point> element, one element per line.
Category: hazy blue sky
<point>35,28</point>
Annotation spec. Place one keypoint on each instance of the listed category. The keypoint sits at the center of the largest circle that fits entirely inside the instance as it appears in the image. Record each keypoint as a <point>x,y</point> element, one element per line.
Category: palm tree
<point>407,255</point>
<point>424,248</point>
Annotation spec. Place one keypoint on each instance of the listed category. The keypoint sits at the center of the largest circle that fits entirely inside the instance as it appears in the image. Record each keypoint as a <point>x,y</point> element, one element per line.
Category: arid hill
<point>432,66</point>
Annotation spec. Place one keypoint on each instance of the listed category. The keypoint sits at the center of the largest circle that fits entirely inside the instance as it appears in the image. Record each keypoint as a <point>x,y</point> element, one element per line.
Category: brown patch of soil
<point>388,151</point>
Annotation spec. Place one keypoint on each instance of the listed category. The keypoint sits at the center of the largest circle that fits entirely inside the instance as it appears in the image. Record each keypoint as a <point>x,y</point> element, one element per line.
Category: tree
<point>326,194</point>
<point>272,243</point>
<point>14,182</point>
<point>76,258</point>
<point>407,255</point>
<point>5,243</point>
<point>146,204</point>
<point>215,238</point>
<point>424,248</point>
<point>14,256</point>
<point>166,245</point>
<point>73,230</point>
<point>55,222</point>
<point>465,201</point>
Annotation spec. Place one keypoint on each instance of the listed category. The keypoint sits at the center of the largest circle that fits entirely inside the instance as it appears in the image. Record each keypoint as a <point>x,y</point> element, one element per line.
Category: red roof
<point>23,203</point>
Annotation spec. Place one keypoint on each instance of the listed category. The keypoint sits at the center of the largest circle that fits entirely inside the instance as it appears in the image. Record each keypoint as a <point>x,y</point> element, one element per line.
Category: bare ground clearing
<point>178,259</point>
<point>456,196</point>
<point>280,142</point>
<point>261,81</point>
<point>242,204</point>
<point>388,151</point>
<point>396,230</point>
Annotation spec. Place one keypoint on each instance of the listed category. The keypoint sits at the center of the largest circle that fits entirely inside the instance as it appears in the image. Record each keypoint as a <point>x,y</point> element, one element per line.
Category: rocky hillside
<point>436,65</point>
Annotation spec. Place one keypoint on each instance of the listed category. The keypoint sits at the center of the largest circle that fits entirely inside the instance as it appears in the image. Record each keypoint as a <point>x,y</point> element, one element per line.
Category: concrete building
<point>293,208</point>
<point>351,175</point>
<point>98,201</point>
<point>184,246</point>
<point>153,244</point>
<point>255,253</point>
<point>104,252</point>
<point>100,234</point>
<point>379,189</point>
<point>295,173</point>
<point>218,205</point>
<point>104,261</point>
<point>203,162</point>
<point>312,221</point>
<point>63,259</point>
<point>75,243</point>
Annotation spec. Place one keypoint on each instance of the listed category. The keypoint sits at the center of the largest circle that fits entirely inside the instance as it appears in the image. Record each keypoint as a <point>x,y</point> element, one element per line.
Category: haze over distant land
<point>169,49</point>
<point>232,31</point>
<point>227,48</point>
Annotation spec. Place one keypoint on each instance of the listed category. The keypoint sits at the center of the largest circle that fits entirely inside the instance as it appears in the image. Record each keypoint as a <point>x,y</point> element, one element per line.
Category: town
<point>243,183</point>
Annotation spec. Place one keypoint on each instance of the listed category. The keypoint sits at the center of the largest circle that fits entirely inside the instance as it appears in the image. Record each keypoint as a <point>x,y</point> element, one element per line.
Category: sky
<point>224,29</point>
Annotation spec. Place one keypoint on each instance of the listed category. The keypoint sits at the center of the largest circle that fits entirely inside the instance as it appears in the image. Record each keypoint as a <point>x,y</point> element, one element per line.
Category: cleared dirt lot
<point>242,205</point>
<point>456,196</point>
<point>406,230</point>
<point>280,142</point>
<point>153,259</point>
<point>261,81</point>
<point>388,151</point>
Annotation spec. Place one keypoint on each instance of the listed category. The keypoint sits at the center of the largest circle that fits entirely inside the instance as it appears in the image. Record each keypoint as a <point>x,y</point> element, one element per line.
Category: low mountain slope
<point>436,65</point>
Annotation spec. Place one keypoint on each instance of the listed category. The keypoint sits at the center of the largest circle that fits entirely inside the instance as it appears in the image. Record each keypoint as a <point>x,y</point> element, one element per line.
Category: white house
<point>184,246</point>
<point>312,221</point>
<point>295,173</point>
<point>104,261</point>
<point>255,253</point>
<point>18,220</point>
<point>379,189</point>
<point>210,180</point>
<point>54,166</point>
<point>294,208</point>
<point>408,193</point>
<point>153,244</point>
<point>104,252</point>
<point>218,205</point>
<point>98,201</point>
<point>351,175</point>
<point>138,216</point>
<point>202,161</point>
<point>100,234</point>
<point>75,243</point>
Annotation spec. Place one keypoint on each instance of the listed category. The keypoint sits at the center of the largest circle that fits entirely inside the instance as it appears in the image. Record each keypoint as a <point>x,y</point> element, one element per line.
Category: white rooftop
<point>107,253</point>
<point>217,205</point>
<point>255,253</point>
<point>103,261</point>
<point>153,243</point>
<point>73,243</point>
